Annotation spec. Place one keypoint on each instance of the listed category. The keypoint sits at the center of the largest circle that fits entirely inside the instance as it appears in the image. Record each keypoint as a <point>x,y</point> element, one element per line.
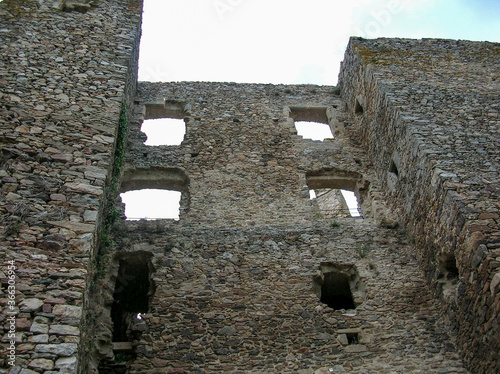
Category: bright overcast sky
<point>290,41</point>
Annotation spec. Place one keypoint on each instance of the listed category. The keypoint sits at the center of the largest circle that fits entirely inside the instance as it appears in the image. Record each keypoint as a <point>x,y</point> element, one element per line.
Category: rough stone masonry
<point>254,277</point>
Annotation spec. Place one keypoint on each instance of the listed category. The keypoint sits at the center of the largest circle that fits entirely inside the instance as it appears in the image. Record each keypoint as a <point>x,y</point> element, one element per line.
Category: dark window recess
<point>131,297</point>
<point>339,286</point>
<point>358,109</point>
<point>132,293</point>
<point>336,292</point>
<point>448,267</point>
<point>393,169</point>
<point>352,338</point>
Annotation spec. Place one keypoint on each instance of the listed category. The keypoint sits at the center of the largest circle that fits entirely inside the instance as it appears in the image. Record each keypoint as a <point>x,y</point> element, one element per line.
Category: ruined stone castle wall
<point>427,112</point>
<point>243,162</point>
<point>241,282</point>
<point>236,284</point>
<point>64,76</point>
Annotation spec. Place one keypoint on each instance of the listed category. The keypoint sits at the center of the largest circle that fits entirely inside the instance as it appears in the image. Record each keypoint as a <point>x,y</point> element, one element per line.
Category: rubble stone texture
<point>63,79</point>
<point>238,283</point>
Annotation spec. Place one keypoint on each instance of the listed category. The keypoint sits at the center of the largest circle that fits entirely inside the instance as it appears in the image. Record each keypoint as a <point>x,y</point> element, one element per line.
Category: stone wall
<point>253,277</point>
<point>427,112</point>
<point>64,77</point>
<point>234,301</point>
<point>245,164</point>
<point>237,284</point>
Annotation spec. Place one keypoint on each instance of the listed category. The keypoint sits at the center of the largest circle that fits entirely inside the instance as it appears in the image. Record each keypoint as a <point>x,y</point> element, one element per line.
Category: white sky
<point>164,131</point>
<point>151,204</point>
<point>290,41</point>
<point>313,130</point>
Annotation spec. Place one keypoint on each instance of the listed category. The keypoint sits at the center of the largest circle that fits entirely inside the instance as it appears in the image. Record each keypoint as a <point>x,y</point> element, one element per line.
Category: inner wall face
<point>236,277</point>
<point>244,300</point>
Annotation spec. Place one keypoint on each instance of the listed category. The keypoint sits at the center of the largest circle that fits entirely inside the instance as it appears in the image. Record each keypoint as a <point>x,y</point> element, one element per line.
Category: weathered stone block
<point>62,349</point>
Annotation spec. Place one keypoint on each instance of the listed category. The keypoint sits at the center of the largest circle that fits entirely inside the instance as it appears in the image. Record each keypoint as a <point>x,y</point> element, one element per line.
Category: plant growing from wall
<point>111,214</point>
<point>106,244</point>
<point>363,250</point>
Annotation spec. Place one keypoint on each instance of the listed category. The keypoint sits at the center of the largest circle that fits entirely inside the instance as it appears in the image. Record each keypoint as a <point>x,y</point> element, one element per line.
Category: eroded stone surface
<point>416,137</point>
<point>430,114</point>
<point>62,83</point>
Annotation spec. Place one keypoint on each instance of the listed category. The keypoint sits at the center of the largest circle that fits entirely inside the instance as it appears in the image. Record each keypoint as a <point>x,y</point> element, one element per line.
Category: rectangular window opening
<point>336,203</point>
<point>133,290</point>
<point>164,131</point>
<point>335,287</point>
<point>311,122</point>
<point>313,130</point>
<point>150,204</point>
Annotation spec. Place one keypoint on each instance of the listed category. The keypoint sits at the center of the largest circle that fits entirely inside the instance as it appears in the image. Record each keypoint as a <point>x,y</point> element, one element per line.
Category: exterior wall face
<point>430,112</point>
<point>63,78</point>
